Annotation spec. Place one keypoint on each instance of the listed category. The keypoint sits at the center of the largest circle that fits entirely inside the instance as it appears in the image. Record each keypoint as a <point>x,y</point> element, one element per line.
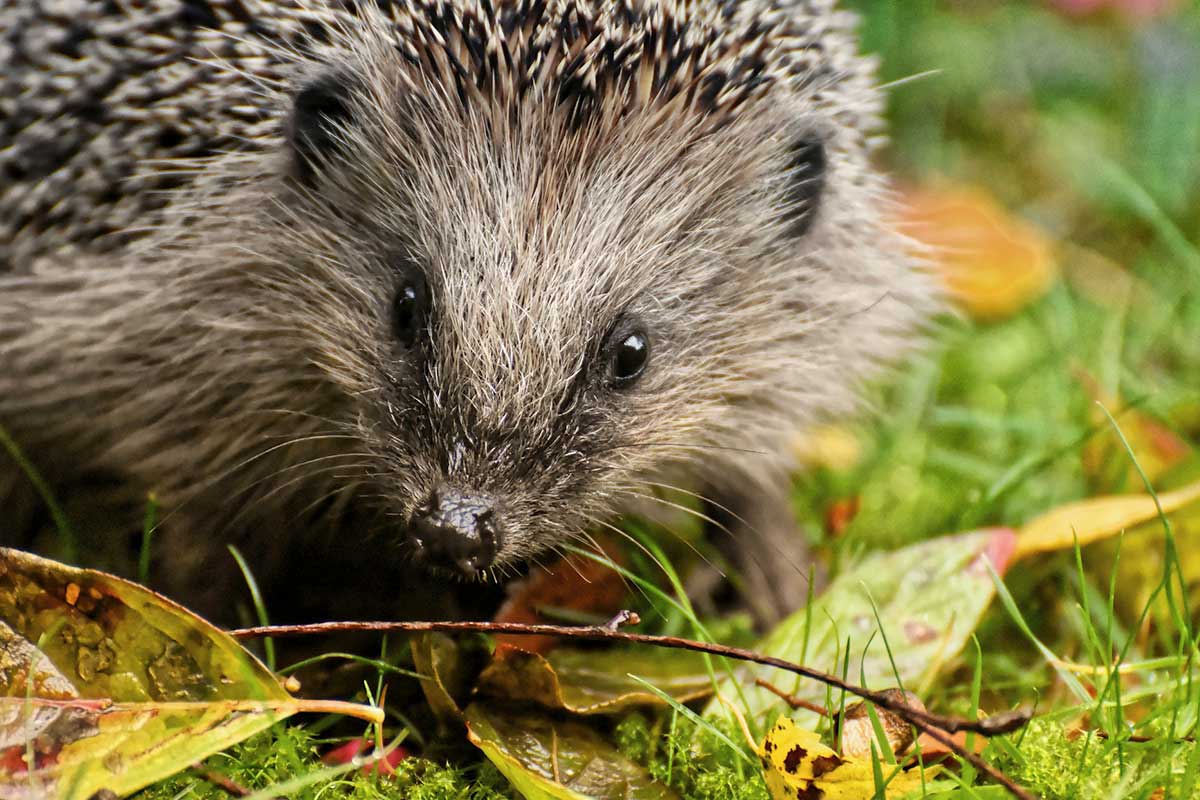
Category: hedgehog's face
<point>555,312</point>
<point>550,329</point>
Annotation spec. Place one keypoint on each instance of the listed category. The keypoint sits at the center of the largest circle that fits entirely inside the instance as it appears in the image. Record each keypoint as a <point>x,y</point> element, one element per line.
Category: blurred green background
<point>1086,126</point>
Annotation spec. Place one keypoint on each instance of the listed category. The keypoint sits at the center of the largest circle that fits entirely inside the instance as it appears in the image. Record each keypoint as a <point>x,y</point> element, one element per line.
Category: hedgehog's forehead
<point>516,326</point>
<point>537,246</point>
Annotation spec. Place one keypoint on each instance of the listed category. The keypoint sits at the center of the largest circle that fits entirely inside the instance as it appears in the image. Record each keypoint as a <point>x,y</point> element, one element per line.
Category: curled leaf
<point>857,732</point>
<point>436,656</point>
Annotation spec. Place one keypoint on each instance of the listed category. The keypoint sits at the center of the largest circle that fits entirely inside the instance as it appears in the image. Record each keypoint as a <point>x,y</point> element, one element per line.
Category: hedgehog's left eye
<point>410,307</point>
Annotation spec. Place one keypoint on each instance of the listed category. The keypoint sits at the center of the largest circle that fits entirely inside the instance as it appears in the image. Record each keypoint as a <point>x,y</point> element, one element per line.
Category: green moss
<point>693,761</point>
<point>1058,766</point>
<point>289,753</point>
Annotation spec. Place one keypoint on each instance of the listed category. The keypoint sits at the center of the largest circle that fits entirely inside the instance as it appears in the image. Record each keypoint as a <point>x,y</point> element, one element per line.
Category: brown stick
<point>990,726</point>
<point>221,781</point>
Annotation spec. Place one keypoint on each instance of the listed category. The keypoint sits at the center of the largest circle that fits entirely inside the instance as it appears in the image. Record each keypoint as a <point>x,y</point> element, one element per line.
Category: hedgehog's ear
<point>804,183</point>
<point>320,110</point>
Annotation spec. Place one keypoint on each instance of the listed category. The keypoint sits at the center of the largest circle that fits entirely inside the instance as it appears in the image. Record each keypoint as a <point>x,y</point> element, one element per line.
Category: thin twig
<point>936,725</point>
<point>221,781</point>
<point>791,699</point>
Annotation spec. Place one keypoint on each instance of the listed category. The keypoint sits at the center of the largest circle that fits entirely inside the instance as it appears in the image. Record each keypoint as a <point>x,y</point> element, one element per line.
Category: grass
<point>1091,130</point>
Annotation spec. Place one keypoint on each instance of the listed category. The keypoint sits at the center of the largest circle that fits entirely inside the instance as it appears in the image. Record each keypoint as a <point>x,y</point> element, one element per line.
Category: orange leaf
<point>573,582</point>
<point>992,264</point>
<point>1105,459</point>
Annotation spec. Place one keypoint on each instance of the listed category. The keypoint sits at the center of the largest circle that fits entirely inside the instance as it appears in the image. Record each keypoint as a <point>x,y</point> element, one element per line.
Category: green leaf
<point>552,759</point>
<point>596,682</point>
<point>930,597</point>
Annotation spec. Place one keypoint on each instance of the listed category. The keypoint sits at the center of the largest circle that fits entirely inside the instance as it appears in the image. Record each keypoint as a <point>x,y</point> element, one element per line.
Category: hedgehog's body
<point>474,273</point>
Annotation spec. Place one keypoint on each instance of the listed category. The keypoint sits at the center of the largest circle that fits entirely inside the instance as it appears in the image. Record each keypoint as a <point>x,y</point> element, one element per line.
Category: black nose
<point>456,529</point>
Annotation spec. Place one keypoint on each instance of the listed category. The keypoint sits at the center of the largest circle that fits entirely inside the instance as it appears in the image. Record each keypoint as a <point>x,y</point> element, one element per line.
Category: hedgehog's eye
<point>630,351</point>
<point>409,309</point>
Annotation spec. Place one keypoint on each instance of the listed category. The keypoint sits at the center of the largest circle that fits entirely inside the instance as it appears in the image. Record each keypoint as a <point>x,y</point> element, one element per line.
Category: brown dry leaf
<point>991,263</point>
<point>573,582</point>
<point>857,732</point>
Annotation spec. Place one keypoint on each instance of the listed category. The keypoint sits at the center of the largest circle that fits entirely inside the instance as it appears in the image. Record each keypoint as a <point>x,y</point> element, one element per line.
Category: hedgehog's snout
<point>457,530</point>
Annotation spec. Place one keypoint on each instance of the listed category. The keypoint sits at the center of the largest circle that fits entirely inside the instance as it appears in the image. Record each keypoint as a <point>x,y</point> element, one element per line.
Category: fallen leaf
<point>437,657</point>
<point>856,731</point>
<point>1091,520</point>
<point>991,263</point>
<point>1154,445</point>
<point>930,597</point>
<point>840,514</point>
<point>596,682</point>
<point>106,686</point>
<point>573,582</point>
<point>797,765</point>
<point>556,759</point>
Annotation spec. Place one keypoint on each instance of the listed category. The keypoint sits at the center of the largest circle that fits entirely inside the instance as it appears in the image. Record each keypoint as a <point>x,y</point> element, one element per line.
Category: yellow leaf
<point>797,766</point>
<point>991,263</point>
<point>828,446</point>
<point>1096,519</point>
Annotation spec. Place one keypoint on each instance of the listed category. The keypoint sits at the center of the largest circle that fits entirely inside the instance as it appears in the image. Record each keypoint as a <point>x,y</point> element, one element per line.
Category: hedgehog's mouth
<point>434,556</point>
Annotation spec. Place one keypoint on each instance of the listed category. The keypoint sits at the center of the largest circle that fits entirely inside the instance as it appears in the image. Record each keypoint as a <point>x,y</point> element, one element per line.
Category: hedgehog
<point>445,283</point>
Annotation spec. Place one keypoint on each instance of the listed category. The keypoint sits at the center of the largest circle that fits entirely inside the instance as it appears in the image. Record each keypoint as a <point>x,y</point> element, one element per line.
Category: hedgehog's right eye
<point>627,350</point>
<point>629,358</point>
<point>410,308</point>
